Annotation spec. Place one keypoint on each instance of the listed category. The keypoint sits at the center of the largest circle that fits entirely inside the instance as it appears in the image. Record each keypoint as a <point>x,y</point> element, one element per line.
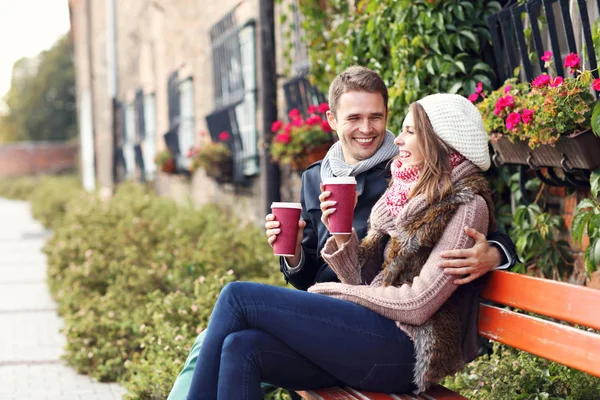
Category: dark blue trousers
<point>297,340</point>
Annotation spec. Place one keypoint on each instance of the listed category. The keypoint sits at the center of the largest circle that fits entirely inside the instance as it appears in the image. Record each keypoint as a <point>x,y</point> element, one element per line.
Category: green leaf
<point>429,66</point>
<point>596,119</point>
<point>455,88</point>
<point>579,223</point>
<point>595,183</point>
<point>470,36</point>
<point>593,253</point>
<point>585,203</point>
<point>461,66</point>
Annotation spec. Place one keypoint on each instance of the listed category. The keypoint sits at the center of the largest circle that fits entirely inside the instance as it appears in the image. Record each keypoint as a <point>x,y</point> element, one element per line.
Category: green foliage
<point>41,101</point>
<point>587,221</point>
<point>136,277</point>
<point>419,47</point>
<point>50,197</point>
<point>18,188</point>
<point>509,374</point>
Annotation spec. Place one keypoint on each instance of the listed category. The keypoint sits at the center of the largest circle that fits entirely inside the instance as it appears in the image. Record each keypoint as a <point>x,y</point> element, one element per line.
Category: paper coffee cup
<point>288,215</point>
<point>343,192</point>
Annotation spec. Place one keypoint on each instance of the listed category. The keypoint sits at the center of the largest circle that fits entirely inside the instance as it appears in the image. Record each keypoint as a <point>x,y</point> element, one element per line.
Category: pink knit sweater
<point>407,304</point>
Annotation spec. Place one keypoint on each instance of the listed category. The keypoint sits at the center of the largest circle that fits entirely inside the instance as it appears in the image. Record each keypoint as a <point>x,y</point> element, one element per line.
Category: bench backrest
<point>556,341</point>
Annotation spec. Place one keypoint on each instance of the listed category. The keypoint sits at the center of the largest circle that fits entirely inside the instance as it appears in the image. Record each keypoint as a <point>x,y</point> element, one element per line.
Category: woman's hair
<point>435,176</point>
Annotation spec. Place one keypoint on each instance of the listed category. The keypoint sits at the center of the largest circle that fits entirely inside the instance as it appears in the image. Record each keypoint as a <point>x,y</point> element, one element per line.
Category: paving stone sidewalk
<point>30,341</point>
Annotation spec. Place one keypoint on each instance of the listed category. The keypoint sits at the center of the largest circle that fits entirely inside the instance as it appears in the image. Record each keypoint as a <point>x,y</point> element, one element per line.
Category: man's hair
<point>356,79</point>
<point>435,176</point>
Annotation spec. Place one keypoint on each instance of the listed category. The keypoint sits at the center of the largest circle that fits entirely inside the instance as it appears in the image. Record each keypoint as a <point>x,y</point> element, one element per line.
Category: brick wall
<point>37,158</point>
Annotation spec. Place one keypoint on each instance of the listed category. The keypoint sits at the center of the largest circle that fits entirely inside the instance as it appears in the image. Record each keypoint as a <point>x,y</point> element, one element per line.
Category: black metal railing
<point>300,94</point>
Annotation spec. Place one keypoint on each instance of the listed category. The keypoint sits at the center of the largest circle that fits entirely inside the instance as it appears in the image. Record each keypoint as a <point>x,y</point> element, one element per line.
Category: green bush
<point>136,276</point>
<point>509,374</point>
<point>18,188</point>
<point>49,199</point>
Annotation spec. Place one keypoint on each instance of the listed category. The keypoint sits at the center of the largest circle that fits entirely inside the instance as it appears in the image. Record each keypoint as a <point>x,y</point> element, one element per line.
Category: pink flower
<point>541,81</point>
<point>507,89</point>
<point>547,56</point>
<point>224,136</point>
<point>504,102</point>
<point>294,113</point>
<point>313,120</point>
<point>325,126</point>
<point>473,97</point>
<point>479,88</point>
<point>323,107</point>
<point>596,84</point>
<point>512,120</point>
<point>527,116</point>
<point>275,126</point>
<point>556,82</point>
<point>283,138</point>
<point>572,61</point>
<point>288,128</point>
<point>312,109</point>
<point>298,122</point>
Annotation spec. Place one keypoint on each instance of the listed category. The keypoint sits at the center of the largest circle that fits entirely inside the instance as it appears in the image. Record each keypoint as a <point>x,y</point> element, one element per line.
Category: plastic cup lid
<point>286,205</point>
<point>341,180</point>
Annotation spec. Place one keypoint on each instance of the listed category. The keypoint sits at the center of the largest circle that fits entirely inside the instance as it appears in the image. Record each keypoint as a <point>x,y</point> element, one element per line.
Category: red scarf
<point>405,179</point>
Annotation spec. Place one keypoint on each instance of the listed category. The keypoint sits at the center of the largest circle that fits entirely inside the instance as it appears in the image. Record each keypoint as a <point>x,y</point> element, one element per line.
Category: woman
<point>396,322</point>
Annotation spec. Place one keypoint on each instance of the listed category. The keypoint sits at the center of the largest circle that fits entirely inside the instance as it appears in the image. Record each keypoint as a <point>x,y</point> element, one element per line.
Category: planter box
<point>579,150</point>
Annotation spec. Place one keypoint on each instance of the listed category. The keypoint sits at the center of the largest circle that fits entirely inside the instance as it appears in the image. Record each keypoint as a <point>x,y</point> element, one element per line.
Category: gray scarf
<point>334,165</point>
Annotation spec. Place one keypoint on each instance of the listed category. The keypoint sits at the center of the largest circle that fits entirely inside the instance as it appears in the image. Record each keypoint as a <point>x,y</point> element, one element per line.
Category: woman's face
<point>408,143</point>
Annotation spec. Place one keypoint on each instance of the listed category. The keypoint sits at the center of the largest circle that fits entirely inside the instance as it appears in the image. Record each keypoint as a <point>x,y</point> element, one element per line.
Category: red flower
<point>224,136</point>
<point>547,56</point>
<point>288,128</point>
<point>541,81</point>
<point>275,126</point>
<point>294,114</point>
<point>325,126</point>
<point>313,120</point>
<point>283,138</point>
<point>572,61</point>
<point>507,89</point>
<point>473,97</point>
<point>512,120</point>
<point>596,84</point>
<point>504,102</point>
<point>479,88</point>
<point>527,116</point>
<point>298,122</point>
<point>556,82</point>
<point>312,109</point>
<point>323,108</point>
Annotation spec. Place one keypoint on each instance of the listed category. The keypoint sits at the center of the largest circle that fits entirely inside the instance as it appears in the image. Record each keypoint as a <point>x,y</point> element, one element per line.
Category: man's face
<point>408,143</point>
<point>360,124</point>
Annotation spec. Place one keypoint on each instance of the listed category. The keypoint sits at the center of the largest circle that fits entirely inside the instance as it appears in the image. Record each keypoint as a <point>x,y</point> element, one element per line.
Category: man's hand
<point>272,227</point>
<point>473,262</point>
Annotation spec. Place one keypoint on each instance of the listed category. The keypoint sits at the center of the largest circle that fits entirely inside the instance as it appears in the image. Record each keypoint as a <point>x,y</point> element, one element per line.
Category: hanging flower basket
<point>310,157</point>
<point>579,150</point>
<point>215,158</point>
<point>220,171</point>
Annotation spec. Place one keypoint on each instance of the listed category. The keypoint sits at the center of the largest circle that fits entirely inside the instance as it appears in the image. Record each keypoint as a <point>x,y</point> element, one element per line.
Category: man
<point>358,113</point>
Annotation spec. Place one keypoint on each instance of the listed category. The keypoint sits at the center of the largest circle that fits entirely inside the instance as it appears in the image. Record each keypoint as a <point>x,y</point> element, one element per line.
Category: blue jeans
<point>297,340</point>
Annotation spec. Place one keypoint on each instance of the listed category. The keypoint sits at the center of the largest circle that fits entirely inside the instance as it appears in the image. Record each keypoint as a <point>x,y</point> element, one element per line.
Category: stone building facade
<point>150,72</point>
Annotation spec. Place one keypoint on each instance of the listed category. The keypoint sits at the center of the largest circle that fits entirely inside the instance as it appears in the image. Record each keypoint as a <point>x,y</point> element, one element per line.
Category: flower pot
<point>579,150</point>
<point>221,171</point>
<point>310,157</point>
<point>168,166</point>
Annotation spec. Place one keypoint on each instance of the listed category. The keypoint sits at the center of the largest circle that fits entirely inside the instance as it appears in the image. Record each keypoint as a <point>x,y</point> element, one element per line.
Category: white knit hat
<point>459,124</point>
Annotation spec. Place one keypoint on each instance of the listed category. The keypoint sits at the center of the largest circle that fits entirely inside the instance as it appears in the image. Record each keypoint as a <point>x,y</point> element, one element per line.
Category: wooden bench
<point>553,340</point>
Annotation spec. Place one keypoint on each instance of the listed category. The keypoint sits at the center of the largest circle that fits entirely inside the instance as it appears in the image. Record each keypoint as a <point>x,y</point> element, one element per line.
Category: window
<point>129,141</point>
<point>149,142</point>
<point>234,68</point>
<point>186,121</point>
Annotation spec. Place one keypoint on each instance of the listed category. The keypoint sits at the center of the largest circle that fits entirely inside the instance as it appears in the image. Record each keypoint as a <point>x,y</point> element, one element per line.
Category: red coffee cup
<point>343,192</point>
<point>288,215</point>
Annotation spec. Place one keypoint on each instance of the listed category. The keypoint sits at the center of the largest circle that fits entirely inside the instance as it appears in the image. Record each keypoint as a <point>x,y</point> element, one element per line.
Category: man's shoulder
<point>313,171</point>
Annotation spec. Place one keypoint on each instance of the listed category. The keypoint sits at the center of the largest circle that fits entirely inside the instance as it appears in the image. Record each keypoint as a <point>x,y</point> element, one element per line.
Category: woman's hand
<point>473,262</point>
<point>328,208</point>
<point>272,230</point>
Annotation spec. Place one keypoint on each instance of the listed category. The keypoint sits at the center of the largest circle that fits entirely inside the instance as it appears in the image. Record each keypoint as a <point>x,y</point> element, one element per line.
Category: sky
<point>28,27</point>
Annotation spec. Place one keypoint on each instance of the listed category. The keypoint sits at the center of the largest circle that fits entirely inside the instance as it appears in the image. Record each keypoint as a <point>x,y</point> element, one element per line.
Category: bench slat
<point>563,301</point>
<point>542,338</point>
<point>347,393</point>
